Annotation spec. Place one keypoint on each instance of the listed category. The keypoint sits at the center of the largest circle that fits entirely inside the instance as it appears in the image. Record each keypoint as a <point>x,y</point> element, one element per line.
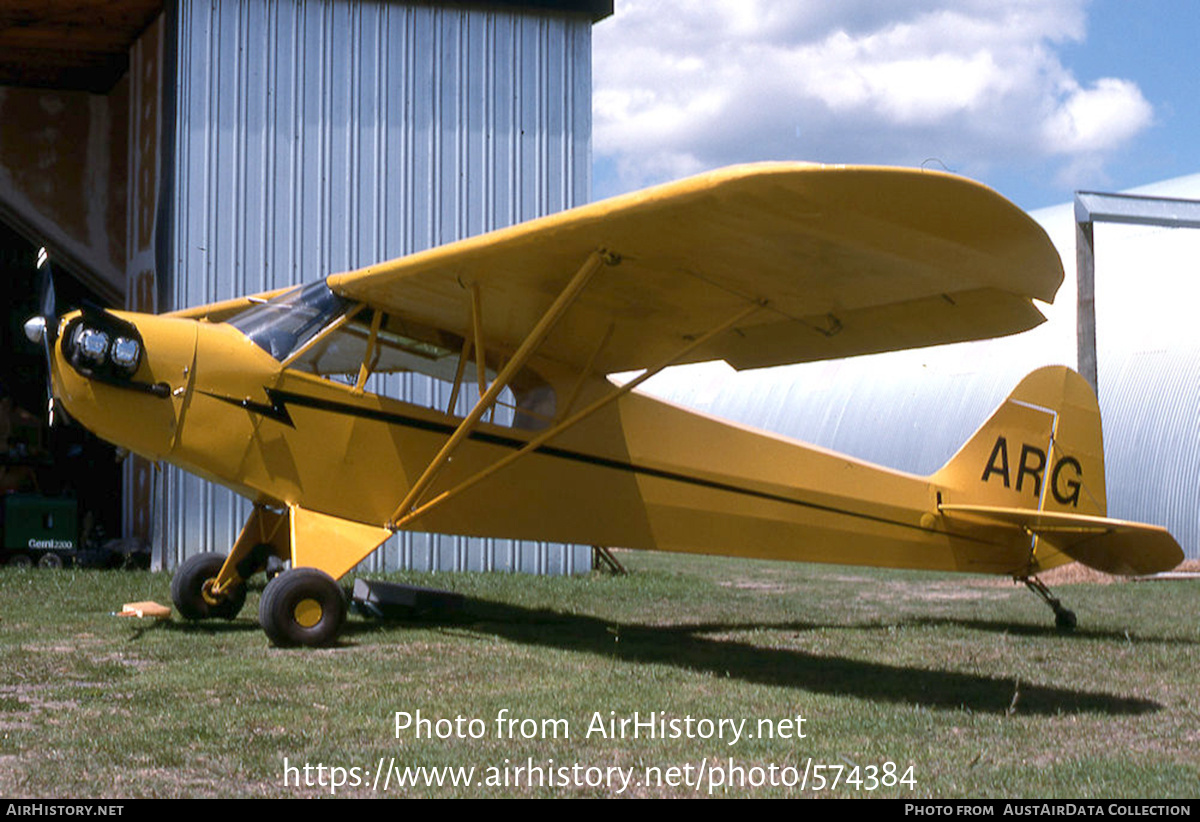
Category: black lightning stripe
<point>277,410</point>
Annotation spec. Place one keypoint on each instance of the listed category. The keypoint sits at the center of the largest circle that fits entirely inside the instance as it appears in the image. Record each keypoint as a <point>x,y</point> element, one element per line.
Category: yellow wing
<point>848,260</point>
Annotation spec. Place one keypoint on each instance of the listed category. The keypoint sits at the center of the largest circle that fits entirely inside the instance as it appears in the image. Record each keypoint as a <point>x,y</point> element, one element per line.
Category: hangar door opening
<point>60,487</point>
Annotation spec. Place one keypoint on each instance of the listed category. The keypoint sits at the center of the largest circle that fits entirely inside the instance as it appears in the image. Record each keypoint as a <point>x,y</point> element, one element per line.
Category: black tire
<point>302,606</point>
<point>20,561</point>
<point>1064,621</point>
<point>52,561</point>
<point>187,589</point>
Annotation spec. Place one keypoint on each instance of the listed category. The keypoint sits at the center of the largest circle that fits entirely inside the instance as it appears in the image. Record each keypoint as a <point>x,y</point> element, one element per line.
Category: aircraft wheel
<point>20,561</point>
<point>50,561</point>
<point>1064,620</point>
<point>303,606</point>
<point>188,590</point>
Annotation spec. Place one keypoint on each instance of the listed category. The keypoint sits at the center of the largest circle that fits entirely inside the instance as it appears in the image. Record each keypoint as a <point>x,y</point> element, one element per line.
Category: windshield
<point>287,322</point>
<point>309,328</point>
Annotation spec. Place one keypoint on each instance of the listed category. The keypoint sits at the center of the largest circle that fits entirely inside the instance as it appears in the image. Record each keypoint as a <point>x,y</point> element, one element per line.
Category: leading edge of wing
<point>847,259</point>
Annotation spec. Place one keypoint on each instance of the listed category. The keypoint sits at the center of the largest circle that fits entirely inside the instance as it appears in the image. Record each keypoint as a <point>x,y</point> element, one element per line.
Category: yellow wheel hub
<point>307,613</point>
<point>206,592</point>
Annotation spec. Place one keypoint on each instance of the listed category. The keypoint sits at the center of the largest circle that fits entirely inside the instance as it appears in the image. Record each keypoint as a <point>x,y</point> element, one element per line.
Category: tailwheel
<point>1064,619</point>
<point>192,590</point>
<point>303,606</point>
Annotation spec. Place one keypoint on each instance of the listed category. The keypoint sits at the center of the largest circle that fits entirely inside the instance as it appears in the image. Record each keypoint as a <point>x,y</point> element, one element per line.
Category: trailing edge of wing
<point>848,260</point>
<point>1109,545</point>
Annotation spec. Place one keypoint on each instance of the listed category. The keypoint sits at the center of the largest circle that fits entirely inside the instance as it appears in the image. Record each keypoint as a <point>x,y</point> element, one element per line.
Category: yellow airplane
<point>757,265</point>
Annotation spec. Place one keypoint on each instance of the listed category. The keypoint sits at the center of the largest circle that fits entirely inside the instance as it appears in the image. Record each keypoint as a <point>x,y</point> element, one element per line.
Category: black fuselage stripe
<point>280,399</point>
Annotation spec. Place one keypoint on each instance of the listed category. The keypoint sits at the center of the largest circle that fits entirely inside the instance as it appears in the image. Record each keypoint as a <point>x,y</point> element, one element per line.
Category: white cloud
<point>681,86</point>
<point>1097,119</point>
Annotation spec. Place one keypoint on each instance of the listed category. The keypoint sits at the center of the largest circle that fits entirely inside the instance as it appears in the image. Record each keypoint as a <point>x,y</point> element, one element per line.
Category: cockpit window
<point>311,329</point>
<point>285,323</point>
<point>345,350</point>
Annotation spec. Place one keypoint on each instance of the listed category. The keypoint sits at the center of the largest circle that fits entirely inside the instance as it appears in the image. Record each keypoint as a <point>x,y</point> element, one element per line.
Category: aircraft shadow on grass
<point>688,647</point>
<point>1002,627</point>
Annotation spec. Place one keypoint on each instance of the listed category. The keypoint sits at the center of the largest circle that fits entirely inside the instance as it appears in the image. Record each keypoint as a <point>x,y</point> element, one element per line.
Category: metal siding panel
<point>319,135</point>
<point>1151,403</point>
<point>889,410</point>
<point>1148,369</point>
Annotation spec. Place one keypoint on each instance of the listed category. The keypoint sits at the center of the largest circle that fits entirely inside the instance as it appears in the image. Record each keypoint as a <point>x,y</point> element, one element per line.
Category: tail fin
<point>1041,449</point>
<point>1038,465</point>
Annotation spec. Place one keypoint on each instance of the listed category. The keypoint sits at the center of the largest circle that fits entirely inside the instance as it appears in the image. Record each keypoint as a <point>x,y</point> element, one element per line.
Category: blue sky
<point>1035,98</point>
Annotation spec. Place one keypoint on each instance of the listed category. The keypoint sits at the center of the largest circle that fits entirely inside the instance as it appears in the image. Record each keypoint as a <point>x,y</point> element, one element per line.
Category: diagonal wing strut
<point>411,508</point>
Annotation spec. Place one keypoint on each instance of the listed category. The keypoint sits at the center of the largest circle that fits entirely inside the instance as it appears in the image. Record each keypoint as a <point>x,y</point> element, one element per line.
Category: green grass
<point>962,678</point>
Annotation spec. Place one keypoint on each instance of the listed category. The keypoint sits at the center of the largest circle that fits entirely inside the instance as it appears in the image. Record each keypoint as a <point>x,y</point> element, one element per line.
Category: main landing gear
<point>193,592</point>
<point>1064,619</point>
<point>300,606</point>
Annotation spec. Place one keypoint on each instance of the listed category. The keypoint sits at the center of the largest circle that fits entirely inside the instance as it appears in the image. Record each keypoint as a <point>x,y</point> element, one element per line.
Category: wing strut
<point>477,331</point>
<point>458,376</point>
<point>543,327</point>
<point>371,355</point>
<point>405,515</point>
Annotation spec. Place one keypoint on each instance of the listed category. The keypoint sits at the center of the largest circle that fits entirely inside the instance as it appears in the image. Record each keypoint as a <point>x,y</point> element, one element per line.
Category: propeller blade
<point>46,286</point>
<point>49,379</point>
<point>49,327</point>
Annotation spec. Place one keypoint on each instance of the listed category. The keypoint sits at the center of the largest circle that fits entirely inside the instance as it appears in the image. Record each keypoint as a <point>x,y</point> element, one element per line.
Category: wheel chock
<point>144,609</point>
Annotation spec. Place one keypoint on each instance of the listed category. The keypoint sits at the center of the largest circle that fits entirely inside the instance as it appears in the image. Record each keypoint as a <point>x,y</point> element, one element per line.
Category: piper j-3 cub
<point>756,265</point>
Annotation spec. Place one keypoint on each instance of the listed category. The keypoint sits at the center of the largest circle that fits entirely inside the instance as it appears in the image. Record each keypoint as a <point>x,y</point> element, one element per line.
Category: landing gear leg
<point>1064,619</point>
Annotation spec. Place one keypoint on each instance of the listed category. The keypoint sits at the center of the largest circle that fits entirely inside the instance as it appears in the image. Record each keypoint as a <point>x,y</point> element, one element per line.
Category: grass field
<point>963,680</point>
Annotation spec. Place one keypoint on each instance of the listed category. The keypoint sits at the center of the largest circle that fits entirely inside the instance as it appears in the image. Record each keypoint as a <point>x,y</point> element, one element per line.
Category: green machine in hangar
<point>39,529</point>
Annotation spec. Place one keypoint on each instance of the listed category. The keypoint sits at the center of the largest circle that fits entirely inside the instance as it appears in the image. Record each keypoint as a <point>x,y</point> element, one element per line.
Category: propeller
<point>43,327</point>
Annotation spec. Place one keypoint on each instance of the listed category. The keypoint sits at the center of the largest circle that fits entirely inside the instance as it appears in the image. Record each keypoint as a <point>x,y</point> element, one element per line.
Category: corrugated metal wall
<point>896,410</point>
<point>1148,374</point>
<point>145,144</point>
<point>315,136</point>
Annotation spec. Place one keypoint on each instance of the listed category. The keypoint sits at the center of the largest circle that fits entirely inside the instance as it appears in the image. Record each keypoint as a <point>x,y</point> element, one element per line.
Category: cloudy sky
<point>1036,98</point>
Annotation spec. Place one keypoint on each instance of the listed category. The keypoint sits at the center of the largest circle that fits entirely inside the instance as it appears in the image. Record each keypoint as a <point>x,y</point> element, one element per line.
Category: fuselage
<point>638,473</point>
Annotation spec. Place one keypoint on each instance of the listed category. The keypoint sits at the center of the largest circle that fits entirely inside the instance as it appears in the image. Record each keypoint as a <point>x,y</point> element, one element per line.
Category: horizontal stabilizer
<point>1110,545</point>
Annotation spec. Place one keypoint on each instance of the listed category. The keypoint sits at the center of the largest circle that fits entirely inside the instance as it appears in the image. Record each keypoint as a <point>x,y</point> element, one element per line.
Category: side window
<point>421,366</point>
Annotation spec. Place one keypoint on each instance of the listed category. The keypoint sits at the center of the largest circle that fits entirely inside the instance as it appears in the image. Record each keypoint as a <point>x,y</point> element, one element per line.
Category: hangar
<point>174,153</point>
